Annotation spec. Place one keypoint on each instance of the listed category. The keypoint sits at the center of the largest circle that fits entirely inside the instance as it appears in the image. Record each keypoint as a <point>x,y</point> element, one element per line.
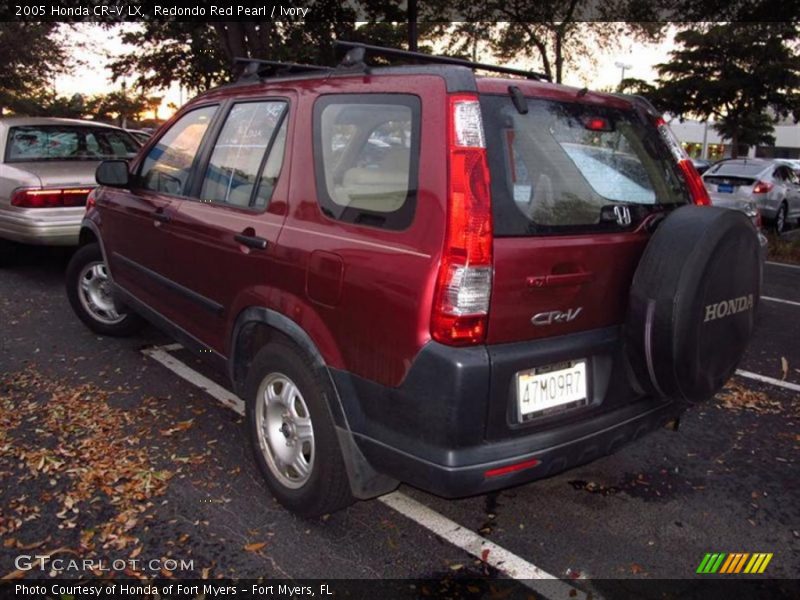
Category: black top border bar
<point>428,11</point>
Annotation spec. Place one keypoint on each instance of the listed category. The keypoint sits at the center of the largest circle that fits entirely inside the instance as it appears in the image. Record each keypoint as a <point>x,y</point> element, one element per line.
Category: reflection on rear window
<point>60,142</point>
<point>564,165</point>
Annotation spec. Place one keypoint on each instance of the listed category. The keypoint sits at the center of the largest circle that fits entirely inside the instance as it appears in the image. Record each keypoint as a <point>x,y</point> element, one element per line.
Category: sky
<point>94,77</point>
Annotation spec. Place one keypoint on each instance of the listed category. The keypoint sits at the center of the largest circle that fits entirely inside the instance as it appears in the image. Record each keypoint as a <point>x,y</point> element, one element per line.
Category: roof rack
<point>257,68</point>
<point>430,58</point>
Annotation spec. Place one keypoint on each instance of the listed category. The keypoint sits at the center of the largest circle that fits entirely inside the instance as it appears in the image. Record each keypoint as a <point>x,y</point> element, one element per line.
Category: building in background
<point>701,140</point>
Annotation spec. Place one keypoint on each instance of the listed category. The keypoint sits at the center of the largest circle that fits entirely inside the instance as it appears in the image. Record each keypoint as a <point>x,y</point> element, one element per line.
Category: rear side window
<point>246,140</point>
<point>565,167</point>
<point>168,164</point>
<point>366,155</point>
<point>67,142</point>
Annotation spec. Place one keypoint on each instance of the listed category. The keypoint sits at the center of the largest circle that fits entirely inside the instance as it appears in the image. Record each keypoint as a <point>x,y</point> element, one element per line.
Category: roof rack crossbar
<point>255,66</point>
<point>442,60</point>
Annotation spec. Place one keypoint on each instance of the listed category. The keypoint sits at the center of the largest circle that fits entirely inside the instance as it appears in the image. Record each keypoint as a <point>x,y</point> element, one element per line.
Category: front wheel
<point>292,432</point>
<point>90,295</point>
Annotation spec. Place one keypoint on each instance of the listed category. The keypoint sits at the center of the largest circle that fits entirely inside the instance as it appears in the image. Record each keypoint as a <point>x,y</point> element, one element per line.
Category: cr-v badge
<point>556,316</point>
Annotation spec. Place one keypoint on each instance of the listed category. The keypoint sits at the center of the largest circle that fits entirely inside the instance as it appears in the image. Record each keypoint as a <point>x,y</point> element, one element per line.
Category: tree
<point>31,55</point>
<point>199,55</point>
<point>555,32</point>
<point>746,76</point>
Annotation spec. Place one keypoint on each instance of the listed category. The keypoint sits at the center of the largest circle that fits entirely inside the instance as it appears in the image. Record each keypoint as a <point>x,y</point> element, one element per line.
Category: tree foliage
<point>555,33</point>
<point>31,55</point>
<point>745,76</point>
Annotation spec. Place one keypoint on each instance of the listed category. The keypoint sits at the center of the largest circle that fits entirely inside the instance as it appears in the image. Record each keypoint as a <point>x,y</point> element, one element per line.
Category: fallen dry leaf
<point>255,547</point>
<point>784,367</point>
<point>636,568</point>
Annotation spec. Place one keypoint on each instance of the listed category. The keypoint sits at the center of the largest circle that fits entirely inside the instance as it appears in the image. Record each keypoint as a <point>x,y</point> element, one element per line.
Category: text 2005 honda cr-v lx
<point>413,274</point>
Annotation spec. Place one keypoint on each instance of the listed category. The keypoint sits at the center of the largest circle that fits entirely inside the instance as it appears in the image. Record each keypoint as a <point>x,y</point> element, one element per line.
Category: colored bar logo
<point>736,562</point>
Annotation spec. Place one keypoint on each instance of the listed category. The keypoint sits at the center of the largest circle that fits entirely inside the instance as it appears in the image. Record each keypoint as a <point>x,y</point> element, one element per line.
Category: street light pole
<point>624,67</point>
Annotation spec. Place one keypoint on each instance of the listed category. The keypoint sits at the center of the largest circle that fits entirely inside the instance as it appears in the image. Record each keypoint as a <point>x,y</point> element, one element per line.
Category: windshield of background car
<point>564,167</point>
<point>60,142</point>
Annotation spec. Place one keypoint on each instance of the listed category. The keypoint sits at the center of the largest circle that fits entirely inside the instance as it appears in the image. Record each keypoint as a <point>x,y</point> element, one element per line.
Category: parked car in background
<point>770,183</point>
<point>702,165</point>
<point>141,135</point>
<point>749,208</point>
<point>47,169</point>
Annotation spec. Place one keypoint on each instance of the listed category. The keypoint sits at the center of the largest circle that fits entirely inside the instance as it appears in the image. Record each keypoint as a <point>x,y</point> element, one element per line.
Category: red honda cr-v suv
<point>415,274</point>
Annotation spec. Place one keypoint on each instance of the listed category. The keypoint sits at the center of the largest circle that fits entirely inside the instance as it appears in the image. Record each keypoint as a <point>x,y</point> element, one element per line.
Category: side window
<point>366,156</point>
<point>251,142</point>
<point>169,163</point>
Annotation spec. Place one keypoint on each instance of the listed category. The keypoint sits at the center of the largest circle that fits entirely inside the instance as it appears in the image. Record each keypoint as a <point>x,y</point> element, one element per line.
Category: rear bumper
<point>556,451</point>
<point>453,417</point>
<point>42,226</point>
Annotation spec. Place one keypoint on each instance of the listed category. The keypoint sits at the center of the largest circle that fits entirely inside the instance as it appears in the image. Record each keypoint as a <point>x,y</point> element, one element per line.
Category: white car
<point>47,169</point>
<point>771,183</point>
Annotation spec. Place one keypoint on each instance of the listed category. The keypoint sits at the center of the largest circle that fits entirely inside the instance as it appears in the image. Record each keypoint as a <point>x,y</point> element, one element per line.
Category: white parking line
<point>777,264</point>
<point>498,557</point>
<point>771,380</point>
<point>183,370</point>
<point>781,300</point>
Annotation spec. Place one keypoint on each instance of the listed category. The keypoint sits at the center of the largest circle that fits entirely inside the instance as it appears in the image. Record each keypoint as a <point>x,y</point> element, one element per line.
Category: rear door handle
<point>561,280</point>
<point>251,241</point>
<point>160,215</point>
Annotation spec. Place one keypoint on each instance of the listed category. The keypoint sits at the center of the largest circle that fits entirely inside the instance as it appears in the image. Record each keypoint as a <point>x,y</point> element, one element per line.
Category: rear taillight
<point>762,187</point>
<point>464,283</point>
<point>697,189</point>
<point>90,201</point>
<point>49,198</point>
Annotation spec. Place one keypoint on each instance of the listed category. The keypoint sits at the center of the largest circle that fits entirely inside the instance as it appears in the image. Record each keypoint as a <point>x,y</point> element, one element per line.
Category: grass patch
<point>783,249</point>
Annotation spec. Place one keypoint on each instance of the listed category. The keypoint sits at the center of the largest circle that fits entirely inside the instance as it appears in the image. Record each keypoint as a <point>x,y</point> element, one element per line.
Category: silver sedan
<point>47,169</point>
<point>771,184</point>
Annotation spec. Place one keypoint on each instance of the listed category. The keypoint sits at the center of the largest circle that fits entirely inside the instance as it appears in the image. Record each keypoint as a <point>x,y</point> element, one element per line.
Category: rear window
<point>738,169</point>
<point>59,142</point>
<point>565,167</point>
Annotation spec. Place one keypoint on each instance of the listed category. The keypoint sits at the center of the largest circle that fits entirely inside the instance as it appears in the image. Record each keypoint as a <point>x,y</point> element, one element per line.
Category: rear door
<point>226,233</point>
<point>572,186</point>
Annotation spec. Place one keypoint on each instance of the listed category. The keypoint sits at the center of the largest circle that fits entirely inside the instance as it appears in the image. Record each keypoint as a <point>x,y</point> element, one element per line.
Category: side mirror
<point>113,173</point>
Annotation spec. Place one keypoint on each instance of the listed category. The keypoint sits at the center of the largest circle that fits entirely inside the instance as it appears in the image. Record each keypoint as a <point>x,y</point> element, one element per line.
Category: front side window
<point>566,166</point>
<point>247,156</point>
<point>168,164</point>
<point>366,154</point>
<point>39,143</point>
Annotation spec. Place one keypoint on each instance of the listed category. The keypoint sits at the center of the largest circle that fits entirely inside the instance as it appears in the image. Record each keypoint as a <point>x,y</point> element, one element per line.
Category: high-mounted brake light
<point>694,182</point>
<point>597,124</point>
<point>762,187</point>
<point>49,198</point>
<point>464,284</point>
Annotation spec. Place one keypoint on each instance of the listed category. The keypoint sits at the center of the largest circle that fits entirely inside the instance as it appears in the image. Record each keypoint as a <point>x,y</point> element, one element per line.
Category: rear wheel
<point>90,295</point>
<point>292,432</point>
<point>780,219</point>
<point>7,250</point>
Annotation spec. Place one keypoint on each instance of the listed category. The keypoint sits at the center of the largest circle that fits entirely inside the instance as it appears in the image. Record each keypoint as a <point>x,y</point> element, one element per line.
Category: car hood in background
<point>61,172</point>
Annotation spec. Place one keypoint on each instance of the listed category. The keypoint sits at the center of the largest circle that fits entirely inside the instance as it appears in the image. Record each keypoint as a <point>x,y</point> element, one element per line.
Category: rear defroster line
<point>508,563</point>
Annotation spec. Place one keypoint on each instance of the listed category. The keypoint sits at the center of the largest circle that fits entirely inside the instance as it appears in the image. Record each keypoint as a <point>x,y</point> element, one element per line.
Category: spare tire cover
<point>693,301</point>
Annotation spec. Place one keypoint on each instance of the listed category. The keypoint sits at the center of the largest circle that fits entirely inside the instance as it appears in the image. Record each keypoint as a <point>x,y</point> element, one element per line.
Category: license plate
<point>542,389</point>
<point>725,188</point>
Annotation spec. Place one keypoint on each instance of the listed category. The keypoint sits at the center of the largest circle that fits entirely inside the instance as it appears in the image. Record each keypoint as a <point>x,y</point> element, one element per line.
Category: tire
<point>7,252</point>
<point>292,434</point>
<point>781,221</point>
<point>693,301</point>
<point>89,294</point>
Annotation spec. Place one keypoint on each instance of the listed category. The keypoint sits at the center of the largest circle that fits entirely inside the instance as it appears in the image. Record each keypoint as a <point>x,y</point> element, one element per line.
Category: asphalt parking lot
<point>106,453</point>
